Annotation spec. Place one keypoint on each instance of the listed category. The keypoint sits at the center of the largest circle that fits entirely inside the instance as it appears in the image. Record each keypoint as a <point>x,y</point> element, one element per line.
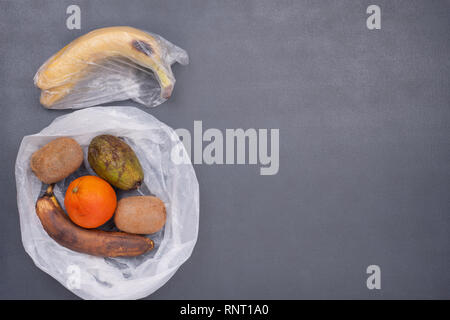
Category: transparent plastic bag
<point>110,64</point>
<point>92,277</point>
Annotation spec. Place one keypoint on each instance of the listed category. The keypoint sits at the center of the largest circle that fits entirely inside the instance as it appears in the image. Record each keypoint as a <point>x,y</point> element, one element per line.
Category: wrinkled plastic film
<point>110,64</point>
<point>175,184</point>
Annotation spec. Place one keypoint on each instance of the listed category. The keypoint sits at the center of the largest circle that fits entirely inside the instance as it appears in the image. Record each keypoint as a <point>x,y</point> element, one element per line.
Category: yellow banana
<point>62,71</point>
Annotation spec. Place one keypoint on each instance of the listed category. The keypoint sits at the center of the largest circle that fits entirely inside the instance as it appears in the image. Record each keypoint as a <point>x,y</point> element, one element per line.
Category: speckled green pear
<point>114,161</point>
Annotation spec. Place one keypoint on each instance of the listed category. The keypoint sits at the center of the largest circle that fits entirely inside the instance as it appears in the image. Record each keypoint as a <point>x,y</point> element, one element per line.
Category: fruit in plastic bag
<point>56,160</point>
<point>69,67</point>
<point>94,242</point>
<point>90,201</point>
<point>114,160</point>
<point>174,183</point>
<point>140,214</point>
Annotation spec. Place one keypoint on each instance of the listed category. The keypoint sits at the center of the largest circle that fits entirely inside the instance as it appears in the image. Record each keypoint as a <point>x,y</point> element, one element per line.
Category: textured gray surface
<point>364,141</point>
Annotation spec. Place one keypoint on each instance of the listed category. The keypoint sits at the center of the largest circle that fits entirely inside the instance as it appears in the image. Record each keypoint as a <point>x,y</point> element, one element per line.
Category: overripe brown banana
<point>94,242</point>
<point>61,72</point>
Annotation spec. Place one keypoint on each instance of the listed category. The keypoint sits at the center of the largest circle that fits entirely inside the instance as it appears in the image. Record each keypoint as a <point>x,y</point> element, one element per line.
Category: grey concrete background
<point>364,142</point>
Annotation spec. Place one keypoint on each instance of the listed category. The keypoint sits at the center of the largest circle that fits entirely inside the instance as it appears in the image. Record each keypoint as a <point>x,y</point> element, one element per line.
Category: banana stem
<point>49,191</point>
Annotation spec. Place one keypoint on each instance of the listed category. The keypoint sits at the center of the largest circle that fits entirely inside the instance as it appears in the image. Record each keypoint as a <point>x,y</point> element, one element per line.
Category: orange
<point>90,201</point>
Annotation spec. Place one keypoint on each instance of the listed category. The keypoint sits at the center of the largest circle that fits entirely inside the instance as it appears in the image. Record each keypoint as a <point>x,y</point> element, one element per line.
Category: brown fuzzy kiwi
<point>140,214</point>
<point>57,160</point>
